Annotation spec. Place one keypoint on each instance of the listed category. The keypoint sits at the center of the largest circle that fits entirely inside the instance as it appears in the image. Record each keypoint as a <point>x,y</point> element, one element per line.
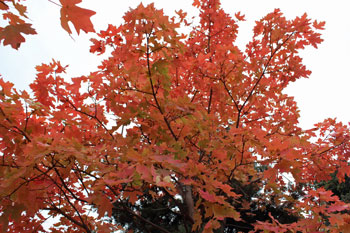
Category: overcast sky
<point>325,94</point>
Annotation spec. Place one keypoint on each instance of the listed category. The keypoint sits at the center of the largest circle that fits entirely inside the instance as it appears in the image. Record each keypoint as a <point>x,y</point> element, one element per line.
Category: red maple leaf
<point>79,17</point>
<point>11,34</point>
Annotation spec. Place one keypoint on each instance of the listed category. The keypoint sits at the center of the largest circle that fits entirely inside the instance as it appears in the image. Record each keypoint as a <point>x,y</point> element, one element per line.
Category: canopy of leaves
<point>184,125</point>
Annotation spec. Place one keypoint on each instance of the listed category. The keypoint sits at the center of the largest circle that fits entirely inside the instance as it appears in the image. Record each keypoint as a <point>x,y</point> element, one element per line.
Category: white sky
<point>324,95</point>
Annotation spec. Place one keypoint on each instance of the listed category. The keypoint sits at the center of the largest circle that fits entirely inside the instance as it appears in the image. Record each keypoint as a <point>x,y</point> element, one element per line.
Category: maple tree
<point>186,123</point>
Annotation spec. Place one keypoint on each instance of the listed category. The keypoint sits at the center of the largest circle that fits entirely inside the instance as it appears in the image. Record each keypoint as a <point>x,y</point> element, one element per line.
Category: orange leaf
<point>319,25</point>
<point>79,17</point>
<point>220,212</point>
<point>105,205</point>
<point>3,6</point>
<point>98,46</point>
<point>207,196</point>
<point>335,207</point>
<point>21,9</point>
<point>239,16</point>
<point>11,34</point>
<point>211,225</point>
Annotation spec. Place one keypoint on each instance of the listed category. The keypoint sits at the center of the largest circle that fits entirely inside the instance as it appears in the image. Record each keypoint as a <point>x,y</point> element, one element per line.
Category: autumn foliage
<point>186,118</point>
<point>15,13</point>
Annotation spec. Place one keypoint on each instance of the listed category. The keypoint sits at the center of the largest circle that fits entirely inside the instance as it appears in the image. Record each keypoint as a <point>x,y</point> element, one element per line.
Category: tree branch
<point>260,77</point>
<point>154,92</point>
